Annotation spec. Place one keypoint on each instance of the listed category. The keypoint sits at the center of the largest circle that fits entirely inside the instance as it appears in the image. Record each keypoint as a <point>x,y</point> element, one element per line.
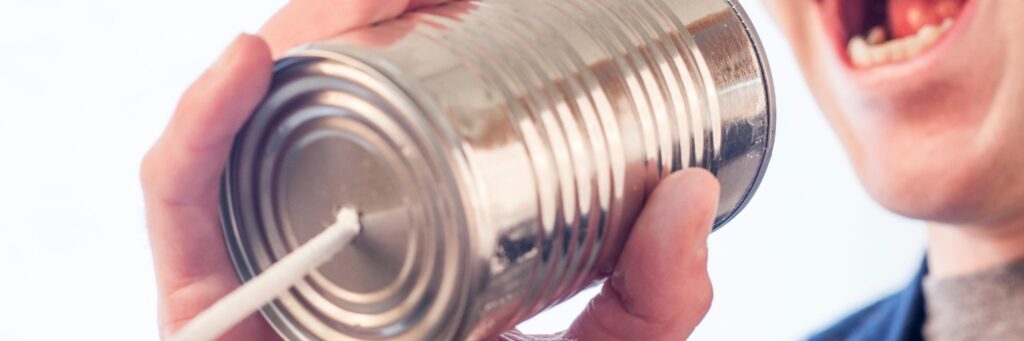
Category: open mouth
<point>879,32</point>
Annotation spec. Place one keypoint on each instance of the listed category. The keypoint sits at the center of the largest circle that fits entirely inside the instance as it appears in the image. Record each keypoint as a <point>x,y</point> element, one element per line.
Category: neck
<point>957,250</point>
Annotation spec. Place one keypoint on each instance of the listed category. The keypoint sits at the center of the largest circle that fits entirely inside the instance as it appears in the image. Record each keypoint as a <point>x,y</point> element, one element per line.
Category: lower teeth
<point>875,50</point>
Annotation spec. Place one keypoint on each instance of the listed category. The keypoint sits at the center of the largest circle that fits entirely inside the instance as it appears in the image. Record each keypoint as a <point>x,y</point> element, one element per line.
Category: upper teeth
<point>875,50</point>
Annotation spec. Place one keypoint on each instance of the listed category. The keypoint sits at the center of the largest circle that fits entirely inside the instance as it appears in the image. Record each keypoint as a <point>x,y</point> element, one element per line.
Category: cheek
<point>790,15</point>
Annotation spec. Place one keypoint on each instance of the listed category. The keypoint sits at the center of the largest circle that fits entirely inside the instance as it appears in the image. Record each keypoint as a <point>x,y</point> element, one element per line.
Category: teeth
<point>875,50</point>
<point>929,33</point>
<point>858,50</point>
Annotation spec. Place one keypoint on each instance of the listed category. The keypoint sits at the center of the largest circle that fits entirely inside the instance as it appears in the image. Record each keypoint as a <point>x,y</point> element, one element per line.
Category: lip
<point>901,73</point>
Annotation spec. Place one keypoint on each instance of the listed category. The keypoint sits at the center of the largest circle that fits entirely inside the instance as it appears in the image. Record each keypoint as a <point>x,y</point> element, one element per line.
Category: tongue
<point>908,16</point>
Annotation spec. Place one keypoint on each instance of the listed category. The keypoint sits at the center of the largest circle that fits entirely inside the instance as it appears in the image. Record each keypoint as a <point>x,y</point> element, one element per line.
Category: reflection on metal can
<point>499,151</point>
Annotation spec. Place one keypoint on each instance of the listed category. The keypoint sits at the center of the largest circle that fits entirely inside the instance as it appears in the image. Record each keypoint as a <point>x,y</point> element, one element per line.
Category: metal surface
<point>499,151</point>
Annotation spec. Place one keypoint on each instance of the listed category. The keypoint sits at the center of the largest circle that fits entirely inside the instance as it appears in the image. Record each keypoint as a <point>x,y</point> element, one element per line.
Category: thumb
<point>660,288</point>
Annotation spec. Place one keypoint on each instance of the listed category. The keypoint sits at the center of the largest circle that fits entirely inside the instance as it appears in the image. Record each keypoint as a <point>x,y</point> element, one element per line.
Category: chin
<point>927,97</point>
<point>932,190</point>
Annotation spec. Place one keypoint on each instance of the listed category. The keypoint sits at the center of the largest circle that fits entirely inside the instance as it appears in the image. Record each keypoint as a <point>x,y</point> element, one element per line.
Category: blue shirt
<point>898,317</point>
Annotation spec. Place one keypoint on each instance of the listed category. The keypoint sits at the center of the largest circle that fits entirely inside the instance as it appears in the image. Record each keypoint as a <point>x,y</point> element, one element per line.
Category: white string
<point>272,282</point>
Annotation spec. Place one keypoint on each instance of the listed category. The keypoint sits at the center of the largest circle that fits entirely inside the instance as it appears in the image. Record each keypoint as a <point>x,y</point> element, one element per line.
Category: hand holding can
<point>658,289</point>
<point>663,296</point>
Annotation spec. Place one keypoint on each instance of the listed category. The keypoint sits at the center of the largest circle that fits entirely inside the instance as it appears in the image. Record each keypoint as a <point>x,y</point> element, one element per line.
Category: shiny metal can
<point>499,151</point>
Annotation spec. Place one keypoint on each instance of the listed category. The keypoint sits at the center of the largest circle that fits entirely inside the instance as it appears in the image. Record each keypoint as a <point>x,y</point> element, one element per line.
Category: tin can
<point>498,150</point>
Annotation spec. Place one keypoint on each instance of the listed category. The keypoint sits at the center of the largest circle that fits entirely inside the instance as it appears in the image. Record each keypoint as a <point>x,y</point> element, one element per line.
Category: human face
<point>932,115</point>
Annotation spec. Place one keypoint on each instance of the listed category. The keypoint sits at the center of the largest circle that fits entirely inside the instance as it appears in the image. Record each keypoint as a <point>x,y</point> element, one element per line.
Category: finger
<point>180,177</point>
<point>660,288</point>
<point>303,21</point>
<point>181,174</point>
<point>185,164</point>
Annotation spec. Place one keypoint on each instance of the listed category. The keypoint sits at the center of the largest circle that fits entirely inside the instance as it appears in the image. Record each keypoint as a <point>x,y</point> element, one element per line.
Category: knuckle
<point>703,293</point>
<point>700,257</point>
<point>153,172</point>
<point>705,297</point>
<point>149,170</point>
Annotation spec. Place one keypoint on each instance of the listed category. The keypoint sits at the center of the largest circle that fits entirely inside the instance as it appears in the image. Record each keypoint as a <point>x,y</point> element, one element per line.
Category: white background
<point>86,86</point>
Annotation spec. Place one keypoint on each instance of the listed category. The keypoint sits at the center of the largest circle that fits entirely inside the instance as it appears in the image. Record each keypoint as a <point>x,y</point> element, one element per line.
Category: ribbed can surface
<point>499,151</point>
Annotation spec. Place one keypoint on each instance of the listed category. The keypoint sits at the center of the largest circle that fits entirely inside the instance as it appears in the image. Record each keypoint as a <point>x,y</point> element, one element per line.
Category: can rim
<point>769,92</point>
